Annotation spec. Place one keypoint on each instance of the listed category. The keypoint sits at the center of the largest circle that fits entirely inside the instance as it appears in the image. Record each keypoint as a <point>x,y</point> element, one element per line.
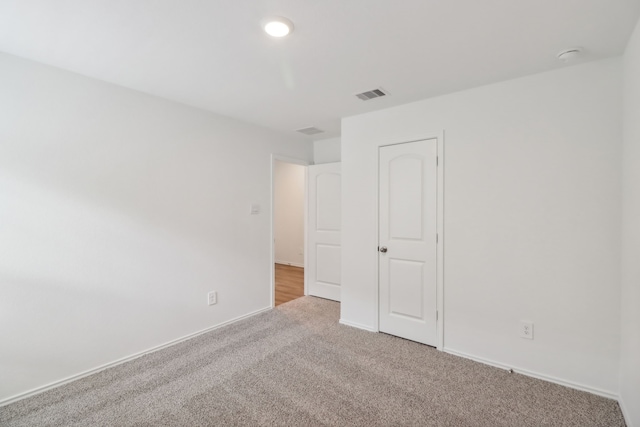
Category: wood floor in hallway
<point>289,283</point>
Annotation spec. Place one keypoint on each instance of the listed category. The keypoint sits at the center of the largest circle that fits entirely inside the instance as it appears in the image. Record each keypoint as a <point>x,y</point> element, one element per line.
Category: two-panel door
<point>323,242</point>
<point>407,238</point>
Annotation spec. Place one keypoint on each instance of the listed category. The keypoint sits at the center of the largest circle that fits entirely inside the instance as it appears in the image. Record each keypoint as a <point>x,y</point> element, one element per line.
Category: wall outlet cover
<point>526,330</point>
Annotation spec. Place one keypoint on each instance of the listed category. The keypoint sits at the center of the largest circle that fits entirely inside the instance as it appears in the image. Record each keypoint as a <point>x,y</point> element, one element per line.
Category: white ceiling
<point>214,55</point>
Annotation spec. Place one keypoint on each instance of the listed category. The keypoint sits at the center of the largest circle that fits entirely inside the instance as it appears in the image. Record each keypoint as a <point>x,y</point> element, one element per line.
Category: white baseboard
<point>356,325</point>
<point>293,264</point>
<point>552,379</point>
<point>76,377</point>
<point>625,412</point>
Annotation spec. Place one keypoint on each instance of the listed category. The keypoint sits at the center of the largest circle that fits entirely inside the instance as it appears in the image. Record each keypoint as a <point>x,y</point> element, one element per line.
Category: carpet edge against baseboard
<point>357,325</point>
<point>12,399</point>
<point>533,374</point>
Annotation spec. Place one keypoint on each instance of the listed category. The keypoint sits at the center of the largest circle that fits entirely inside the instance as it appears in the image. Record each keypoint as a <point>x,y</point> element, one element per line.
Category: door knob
<point>383,249</point>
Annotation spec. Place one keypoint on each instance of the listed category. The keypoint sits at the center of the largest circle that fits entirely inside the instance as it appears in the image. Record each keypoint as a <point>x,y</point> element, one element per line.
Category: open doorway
<point>289,201</point>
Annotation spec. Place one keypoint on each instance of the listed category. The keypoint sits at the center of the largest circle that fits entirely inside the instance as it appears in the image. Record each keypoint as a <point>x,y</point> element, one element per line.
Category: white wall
<point>630,348</point>
<point>118,212</point>
<point>532,218</point>
<point>326,150</point>
<point>288,207</point>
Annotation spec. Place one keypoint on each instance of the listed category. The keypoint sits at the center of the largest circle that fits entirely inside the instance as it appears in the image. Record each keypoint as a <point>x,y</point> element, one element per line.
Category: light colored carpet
<point>296,366</point>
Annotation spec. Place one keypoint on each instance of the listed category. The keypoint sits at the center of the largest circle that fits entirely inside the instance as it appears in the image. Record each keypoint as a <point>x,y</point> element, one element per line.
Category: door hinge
<point>436,315</point>
<point>437,160</point>
<point>437,237</point>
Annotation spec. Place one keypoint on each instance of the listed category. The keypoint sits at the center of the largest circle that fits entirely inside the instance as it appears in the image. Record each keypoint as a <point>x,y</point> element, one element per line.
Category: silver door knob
<point>383,249</point>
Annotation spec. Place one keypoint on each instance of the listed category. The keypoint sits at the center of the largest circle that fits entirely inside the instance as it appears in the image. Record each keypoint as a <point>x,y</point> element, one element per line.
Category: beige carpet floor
<point>296,366</point>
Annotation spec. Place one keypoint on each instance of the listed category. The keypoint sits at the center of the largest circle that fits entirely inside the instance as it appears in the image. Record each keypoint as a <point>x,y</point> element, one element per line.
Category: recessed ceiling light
<point>278,26</point>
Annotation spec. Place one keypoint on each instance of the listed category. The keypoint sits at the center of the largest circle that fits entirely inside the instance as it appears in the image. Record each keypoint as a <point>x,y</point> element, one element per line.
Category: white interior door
<point>323,240</point>
<point>407,238</point>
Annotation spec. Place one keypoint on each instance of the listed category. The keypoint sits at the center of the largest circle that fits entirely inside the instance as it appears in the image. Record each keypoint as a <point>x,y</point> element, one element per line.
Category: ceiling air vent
<point>310,130</point>
<point>371,94</point>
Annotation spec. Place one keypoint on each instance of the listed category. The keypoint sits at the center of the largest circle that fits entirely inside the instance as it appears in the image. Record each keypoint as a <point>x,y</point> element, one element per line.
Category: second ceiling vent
<point>371,94</point>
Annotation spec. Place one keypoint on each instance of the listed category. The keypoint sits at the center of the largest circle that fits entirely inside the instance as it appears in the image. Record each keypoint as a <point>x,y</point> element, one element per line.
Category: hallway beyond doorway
<point>289,283</point>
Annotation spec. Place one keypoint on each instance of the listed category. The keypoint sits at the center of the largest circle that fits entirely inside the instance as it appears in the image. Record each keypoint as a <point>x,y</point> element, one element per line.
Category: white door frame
<point>305,163</point>
<point>439,226</point>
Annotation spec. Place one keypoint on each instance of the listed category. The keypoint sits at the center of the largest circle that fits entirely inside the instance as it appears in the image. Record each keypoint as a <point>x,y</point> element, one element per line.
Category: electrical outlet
<point>212,297</point>
<point>526,330</point>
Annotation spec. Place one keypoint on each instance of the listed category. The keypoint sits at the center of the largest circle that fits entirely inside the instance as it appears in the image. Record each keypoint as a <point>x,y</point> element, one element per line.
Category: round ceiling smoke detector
<point>569,55</point>
<point>278,26</point>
